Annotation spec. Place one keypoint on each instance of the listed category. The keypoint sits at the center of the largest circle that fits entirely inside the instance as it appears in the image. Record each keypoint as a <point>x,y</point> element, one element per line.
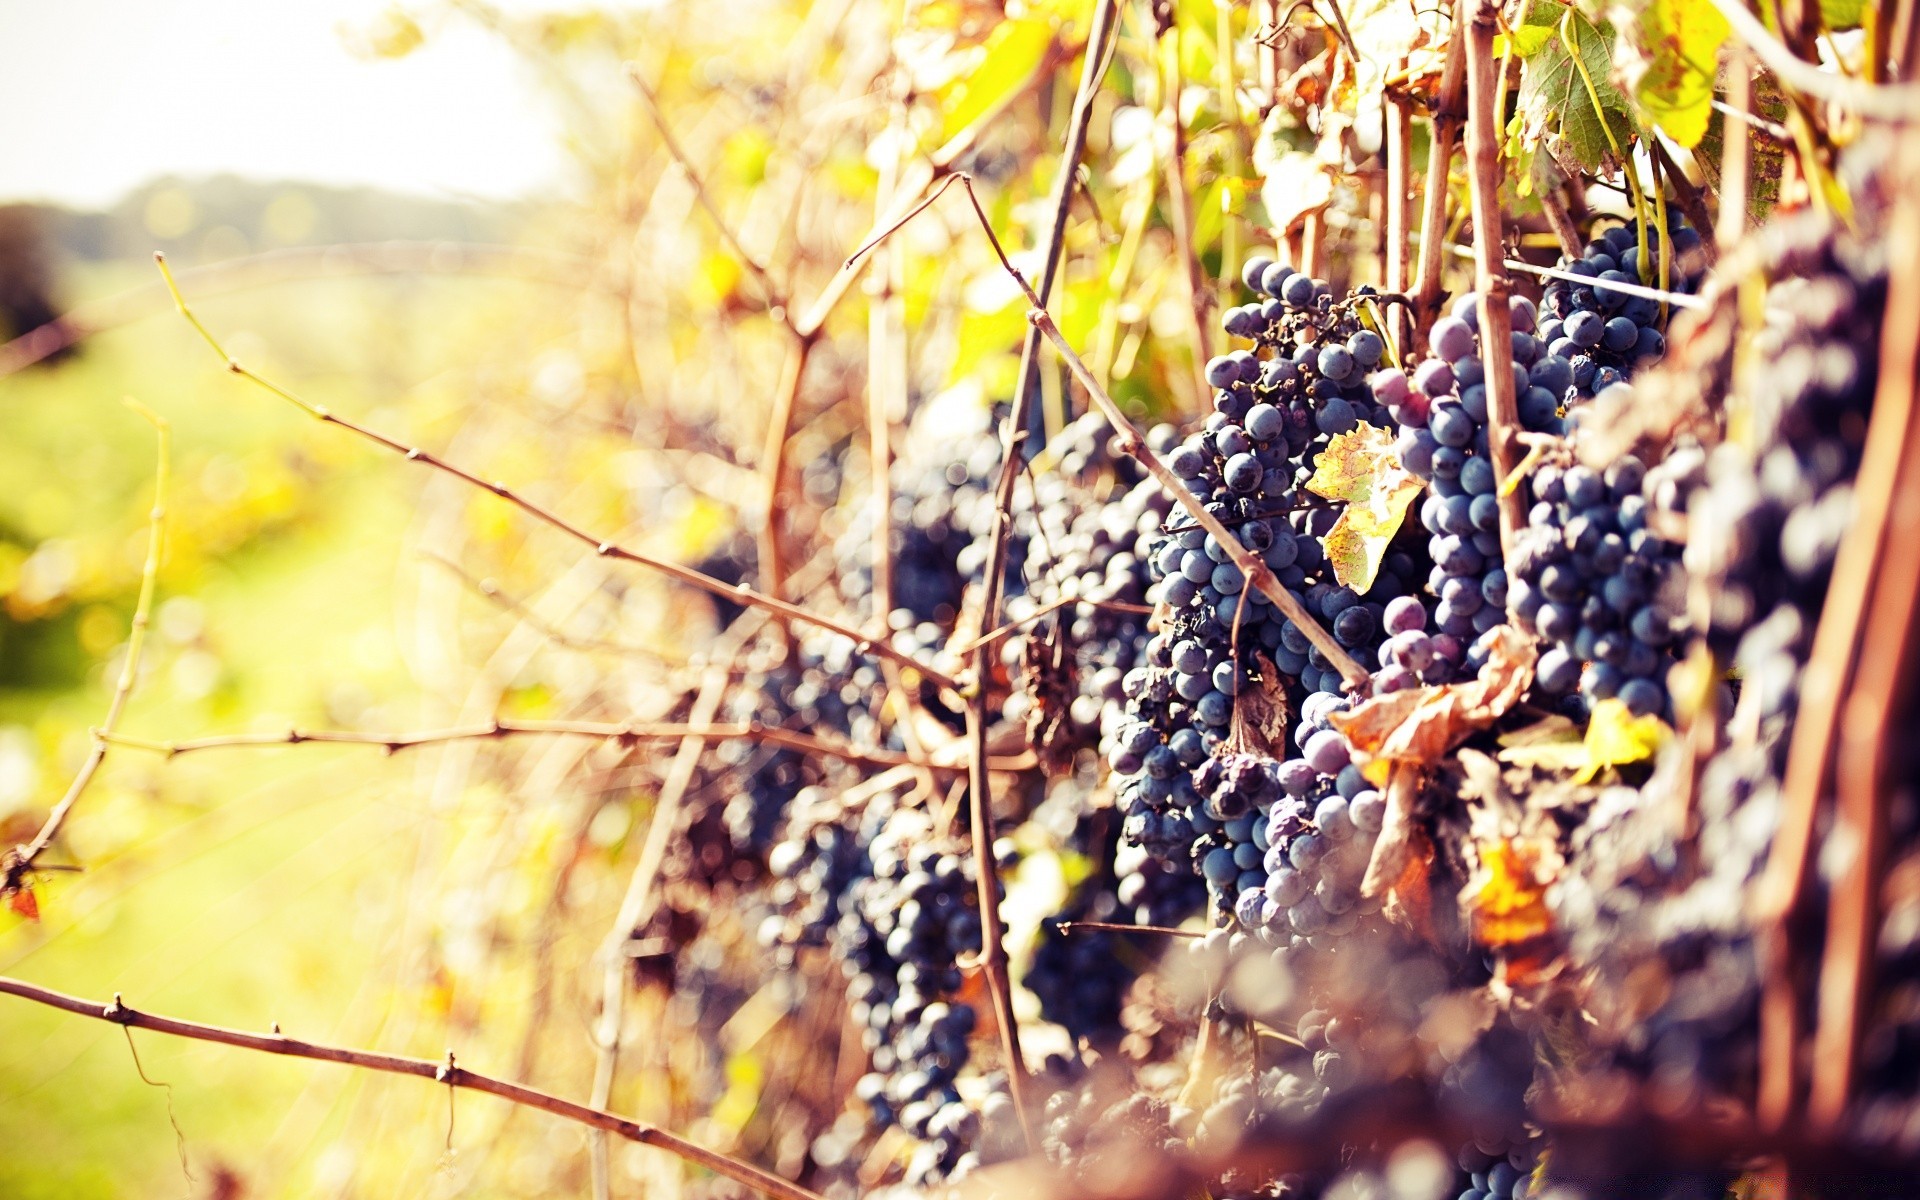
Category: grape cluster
<point>821,686</point>
<point>1442,415</point>
<point>1081,979</point>
<point>1601,333</point>
<point>1600,588</point>
<point>1766,512</point>
<point>943,484</point>
<point>1272,416</point>
<point>904,927</point>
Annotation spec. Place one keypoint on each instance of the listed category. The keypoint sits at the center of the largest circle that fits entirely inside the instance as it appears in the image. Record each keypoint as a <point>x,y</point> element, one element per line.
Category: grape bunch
<point>1442,416</point>
<point>903,928</point>
<point>1601,333</point>
<point>1766,512</point>
<point>819,686</point>
<point>1600,588</point>
<point>1272,416</point>
<point>942,486</point>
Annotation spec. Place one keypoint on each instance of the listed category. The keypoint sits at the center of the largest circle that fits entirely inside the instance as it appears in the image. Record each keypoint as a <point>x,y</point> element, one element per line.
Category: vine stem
<point>637,905</point>
<point>294,264</point>
<point>1496,317</point>
<point>441,1072</point>
<point>1179,203</point>
<point>613,731</point>
<point>1398,118</point>
<point>1781,896</point>
<point>18,863</point>
<point>1448,117</point>
<point>1876,714</point>
<point>1734,152</point>
<point>738,593</point>
<point>993,952</point>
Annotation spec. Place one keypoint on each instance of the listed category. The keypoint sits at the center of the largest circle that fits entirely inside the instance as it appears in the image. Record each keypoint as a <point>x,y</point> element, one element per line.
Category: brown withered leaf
<point>1417,726</point>
<point>1505,902</point>
<point>1261,721</point>
<point>23,902</point>
<point>1393,849</point>
<point>1409,898</point>
<point>1048,680</point>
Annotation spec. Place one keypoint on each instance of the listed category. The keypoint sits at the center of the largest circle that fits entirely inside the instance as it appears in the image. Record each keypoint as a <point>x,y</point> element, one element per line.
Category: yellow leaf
<point>1361,468</point>
<point>1509,906</point>
<point>1615,737</point>
<point>1013,52</point>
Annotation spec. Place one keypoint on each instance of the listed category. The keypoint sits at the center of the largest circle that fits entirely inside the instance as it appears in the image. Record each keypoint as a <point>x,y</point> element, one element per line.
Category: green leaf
<point>1567,104</point>
<point>1526,41</point>
<point>1361,468</point>
<point>1682,41</point>
<point>1767,159</point>
<point>1012,53</point>
<point>1842,14</point>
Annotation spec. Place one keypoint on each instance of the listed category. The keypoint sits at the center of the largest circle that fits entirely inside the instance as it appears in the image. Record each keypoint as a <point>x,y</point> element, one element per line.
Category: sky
<point>98,96</point>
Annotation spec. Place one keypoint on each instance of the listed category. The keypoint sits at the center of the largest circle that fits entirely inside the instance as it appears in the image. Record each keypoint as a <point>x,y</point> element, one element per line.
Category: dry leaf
<point>22,901</point>
<point>1418,726</point>
<point>1261,721</point>
<point>1507,900</point>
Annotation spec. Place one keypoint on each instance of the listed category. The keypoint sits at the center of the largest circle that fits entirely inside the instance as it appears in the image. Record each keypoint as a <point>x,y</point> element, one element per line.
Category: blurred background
<point>458,223</point>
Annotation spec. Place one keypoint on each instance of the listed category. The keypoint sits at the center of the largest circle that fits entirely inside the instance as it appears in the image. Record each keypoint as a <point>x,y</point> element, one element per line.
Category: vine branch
<point>19,862</point>
<point>738,593</point>
<point>119,1013</point>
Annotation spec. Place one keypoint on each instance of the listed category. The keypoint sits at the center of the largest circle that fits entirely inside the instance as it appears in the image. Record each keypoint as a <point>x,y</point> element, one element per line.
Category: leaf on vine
<point>1261,721</point>
<point>1671,69</point>
<point>1840,15</point>
<point>1012,53</point>
<point>1419,725</point>
<point>1767,159</point>
<point>1361,468</point>
<point>1614,737</point>
<point>1507,898</point>
<point>1567,104</point>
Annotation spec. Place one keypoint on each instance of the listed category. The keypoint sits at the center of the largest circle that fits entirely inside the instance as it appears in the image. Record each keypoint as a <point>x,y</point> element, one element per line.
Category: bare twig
<point>637,906</point>
<point>738,593</point>
<point>19,861</point>
<point>1070,928</point>
<point>776,295</point>
<point>1781,894</point>
<point>993,953</point>
<point>1735,158</point>
<point>773,458</point>
<point>1496,317</point>
<point>119,1013</point>
<point>291,264</point>
<point>1687,195</point>
<point>1397,114</point>
<point>1448,118</point>
<point>630,732</point>
<point>1179,204</point>
<point>495,594</point>
<point>1047,610</point>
